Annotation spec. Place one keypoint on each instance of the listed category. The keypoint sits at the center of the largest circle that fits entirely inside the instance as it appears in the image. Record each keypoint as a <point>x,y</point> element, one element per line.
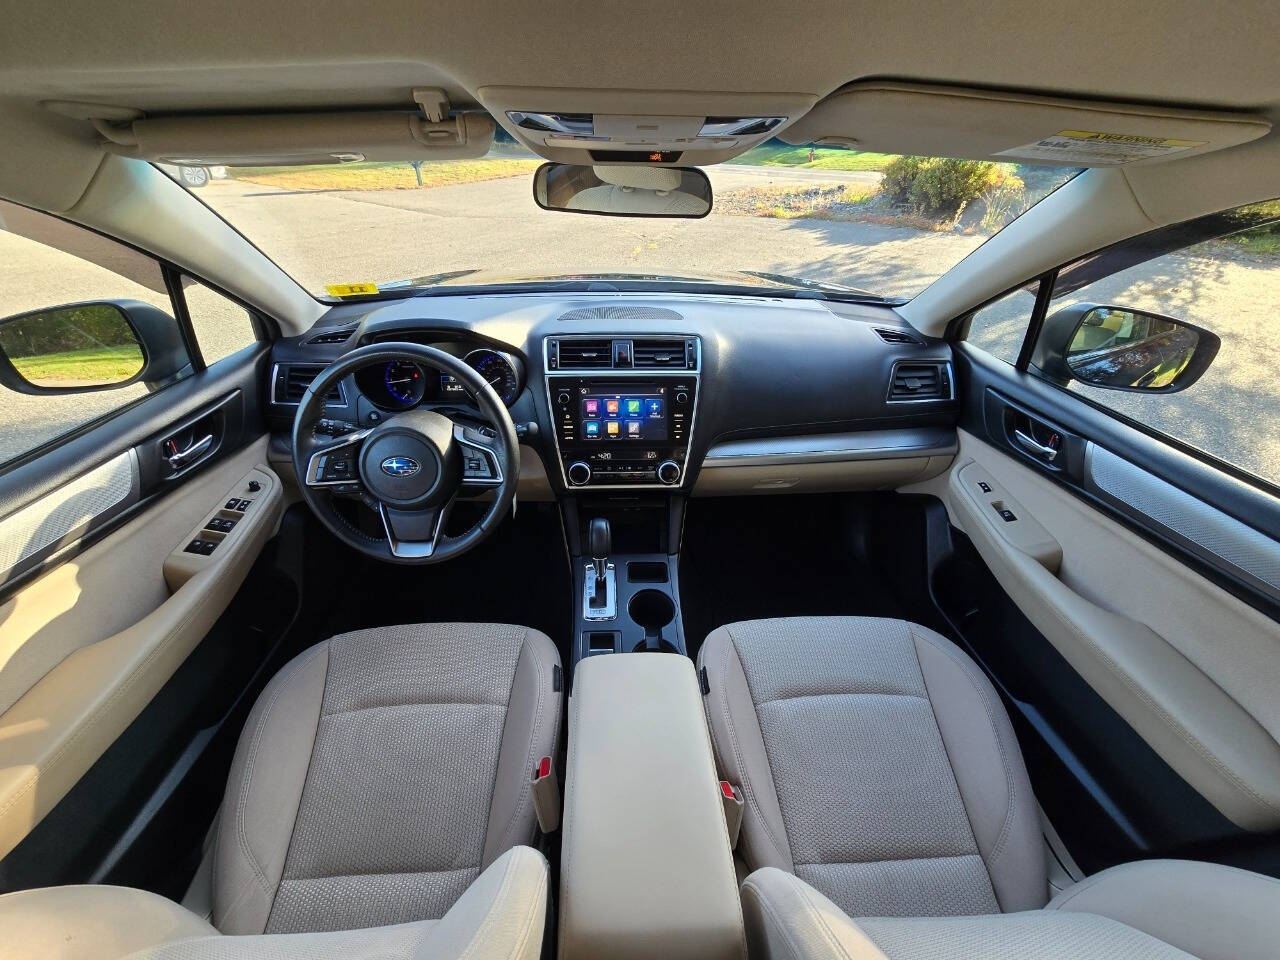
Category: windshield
<point>782,216</point>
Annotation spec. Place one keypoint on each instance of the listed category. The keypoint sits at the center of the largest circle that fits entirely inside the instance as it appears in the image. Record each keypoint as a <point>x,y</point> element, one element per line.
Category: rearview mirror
<point>1118,348</point>
<point>82,347</point>
<point>623,190</point>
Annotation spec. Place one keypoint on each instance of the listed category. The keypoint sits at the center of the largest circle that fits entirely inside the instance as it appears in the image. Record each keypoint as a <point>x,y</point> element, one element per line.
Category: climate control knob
<point>669,472</point>
<point>578,473</point>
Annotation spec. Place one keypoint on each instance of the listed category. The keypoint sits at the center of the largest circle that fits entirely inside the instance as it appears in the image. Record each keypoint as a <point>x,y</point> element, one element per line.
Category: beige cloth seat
<point>381,776</point>
<point>1151,910</point>
<point>882,781</point>
<point>876,763</point>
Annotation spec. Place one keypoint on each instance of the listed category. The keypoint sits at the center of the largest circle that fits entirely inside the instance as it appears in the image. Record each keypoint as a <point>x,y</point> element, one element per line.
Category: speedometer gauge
<point>404,383</point>
<point>498,371</point>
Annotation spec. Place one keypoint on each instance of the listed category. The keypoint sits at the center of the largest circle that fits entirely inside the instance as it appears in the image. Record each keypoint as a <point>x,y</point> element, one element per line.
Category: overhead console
<point>623,408</point>
<point>652,127</point>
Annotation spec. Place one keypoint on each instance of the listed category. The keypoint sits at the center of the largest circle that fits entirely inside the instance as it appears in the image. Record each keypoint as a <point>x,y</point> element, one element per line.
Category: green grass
<point>386,176</point>
<point>99,365</point>
<point>825,158</point>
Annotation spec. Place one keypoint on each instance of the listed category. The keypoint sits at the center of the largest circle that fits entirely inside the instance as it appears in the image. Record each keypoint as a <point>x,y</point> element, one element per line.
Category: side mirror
<point>1122,349</point>
<point>83,347</point>
<point>623,190</point>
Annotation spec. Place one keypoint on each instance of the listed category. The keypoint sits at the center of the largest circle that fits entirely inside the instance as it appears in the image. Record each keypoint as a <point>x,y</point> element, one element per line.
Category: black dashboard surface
<point>770,367</point>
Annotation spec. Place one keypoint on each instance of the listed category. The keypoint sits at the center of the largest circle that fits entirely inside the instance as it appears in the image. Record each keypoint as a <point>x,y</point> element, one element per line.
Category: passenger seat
<point>882,779</point>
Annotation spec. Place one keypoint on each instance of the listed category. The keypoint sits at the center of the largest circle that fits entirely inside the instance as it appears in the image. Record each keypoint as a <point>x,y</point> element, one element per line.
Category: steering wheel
<point>411,467</point>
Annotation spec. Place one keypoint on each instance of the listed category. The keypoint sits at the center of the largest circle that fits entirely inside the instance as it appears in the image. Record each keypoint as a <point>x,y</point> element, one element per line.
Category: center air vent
<point>585,354</point>
<point>920,381</point>
<point>292,380</point>
<point>659,353</point>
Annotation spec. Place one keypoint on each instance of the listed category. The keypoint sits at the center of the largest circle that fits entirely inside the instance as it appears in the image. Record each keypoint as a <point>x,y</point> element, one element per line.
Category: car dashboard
<point>700,394</point>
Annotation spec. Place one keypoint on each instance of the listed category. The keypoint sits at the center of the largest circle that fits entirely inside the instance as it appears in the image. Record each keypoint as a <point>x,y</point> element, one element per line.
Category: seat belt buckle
<point>731,797</point>
<point>546,795</point>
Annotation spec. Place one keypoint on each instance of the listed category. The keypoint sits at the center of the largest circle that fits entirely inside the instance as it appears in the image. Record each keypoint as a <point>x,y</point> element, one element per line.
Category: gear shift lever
<point>598,604</point>
<point>601,539</point>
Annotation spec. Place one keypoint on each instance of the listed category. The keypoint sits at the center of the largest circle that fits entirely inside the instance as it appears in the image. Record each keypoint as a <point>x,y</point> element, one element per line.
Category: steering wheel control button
<point>669,472</point>
<point>579,473</point>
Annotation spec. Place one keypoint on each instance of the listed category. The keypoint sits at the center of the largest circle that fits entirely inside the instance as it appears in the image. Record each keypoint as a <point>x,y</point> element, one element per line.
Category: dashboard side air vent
<point>660,353</point>
<point>920,381</point>
<point>292,380</point>
<point>889,335</point>
<point>333,336</point>
<point>585,354</point>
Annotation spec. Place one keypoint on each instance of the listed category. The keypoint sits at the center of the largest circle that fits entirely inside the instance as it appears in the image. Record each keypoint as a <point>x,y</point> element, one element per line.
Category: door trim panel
<point>1202,528</point>
<point>33,532</point>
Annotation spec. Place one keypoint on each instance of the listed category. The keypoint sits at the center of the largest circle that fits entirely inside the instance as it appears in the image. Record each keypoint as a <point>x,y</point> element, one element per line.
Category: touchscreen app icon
<point>611,406</point>
<point>633,408</point>
<point>613,428</point>
<point>654,407</point>
<point>633,428</point>
<point>593,407</point>
<point>592,428</point>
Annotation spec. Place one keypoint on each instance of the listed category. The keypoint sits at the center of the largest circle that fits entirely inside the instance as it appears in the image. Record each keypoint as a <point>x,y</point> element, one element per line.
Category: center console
<point>623,408</point>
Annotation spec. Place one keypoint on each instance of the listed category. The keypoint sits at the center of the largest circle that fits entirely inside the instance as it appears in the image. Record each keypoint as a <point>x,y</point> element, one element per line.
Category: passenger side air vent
<point>920,381</point>
<point>333,336</point>
<point>659,353</point>
<point>895,336</point>
<point>292,380</point>
<point>584,354</point>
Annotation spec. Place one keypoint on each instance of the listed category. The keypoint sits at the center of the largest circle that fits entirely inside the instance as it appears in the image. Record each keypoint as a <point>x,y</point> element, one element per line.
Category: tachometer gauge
<point>404,382</point>
<point>498,370</point>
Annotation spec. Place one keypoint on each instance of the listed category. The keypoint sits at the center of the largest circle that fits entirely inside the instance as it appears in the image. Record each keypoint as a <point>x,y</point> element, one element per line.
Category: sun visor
<point>299,138</point>
<point>928,120</point>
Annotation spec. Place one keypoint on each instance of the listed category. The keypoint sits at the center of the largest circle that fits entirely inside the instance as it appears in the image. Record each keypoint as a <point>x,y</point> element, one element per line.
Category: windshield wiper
<point>429,280</point>
<point>824,287</point>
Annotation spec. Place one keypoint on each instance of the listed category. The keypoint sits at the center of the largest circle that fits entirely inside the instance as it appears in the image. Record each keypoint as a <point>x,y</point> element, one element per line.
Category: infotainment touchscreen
<point>623,412</point>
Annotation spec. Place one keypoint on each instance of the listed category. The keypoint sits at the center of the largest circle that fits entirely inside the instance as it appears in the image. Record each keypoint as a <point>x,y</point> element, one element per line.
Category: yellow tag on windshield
<point>351,289</point>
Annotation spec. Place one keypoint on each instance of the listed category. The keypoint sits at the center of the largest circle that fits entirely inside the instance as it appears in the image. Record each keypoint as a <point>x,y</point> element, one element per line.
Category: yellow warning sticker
<point>351,289</point>
<point>1090,148</point>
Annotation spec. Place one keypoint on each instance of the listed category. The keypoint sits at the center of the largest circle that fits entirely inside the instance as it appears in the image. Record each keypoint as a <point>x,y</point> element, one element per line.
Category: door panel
<point>1151,574</point>
<point>103,601</point>
<point>1190,667</point>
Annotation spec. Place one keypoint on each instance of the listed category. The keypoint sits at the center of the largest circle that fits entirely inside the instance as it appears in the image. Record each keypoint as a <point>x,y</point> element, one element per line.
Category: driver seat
<point>379,774</point>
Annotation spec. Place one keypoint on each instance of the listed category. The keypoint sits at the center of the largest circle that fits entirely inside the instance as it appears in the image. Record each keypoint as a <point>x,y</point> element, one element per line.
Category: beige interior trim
<point>110,634</point>
<point>1190,667</point>
<point>647,870</point>
<point>307,137</point>
<point>994,125</point>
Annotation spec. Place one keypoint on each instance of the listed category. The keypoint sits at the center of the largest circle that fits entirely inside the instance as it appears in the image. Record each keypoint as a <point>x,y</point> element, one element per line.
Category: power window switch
<point>221,524</point>
<point>241,506</point>
<point>201,547</point>
<point>984,486</point>
<point>231,504</point>
<point>1007,516</point>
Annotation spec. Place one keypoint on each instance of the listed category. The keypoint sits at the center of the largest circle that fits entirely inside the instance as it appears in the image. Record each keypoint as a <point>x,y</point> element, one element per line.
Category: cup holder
<point>652,610</point>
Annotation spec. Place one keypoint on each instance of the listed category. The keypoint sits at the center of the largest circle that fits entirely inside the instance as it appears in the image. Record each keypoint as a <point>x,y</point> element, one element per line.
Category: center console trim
<point>611,372</point>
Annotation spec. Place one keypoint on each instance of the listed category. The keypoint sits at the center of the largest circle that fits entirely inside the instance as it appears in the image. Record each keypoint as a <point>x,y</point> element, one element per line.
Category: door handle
<point>182,458</point>
<point>1033,446</point>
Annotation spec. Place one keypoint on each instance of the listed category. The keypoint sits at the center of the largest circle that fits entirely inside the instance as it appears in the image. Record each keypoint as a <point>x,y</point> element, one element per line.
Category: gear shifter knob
<point>601,542</point>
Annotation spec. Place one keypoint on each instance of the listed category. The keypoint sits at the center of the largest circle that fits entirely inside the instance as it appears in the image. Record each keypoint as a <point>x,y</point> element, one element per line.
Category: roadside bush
<point>940,188</point>
<point>1003,199</point>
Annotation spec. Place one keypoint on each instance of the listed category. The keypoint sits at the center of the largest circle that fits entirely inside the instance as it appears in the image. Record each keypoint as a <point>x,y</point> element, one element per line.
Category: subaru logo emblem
<point>400,467</point>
